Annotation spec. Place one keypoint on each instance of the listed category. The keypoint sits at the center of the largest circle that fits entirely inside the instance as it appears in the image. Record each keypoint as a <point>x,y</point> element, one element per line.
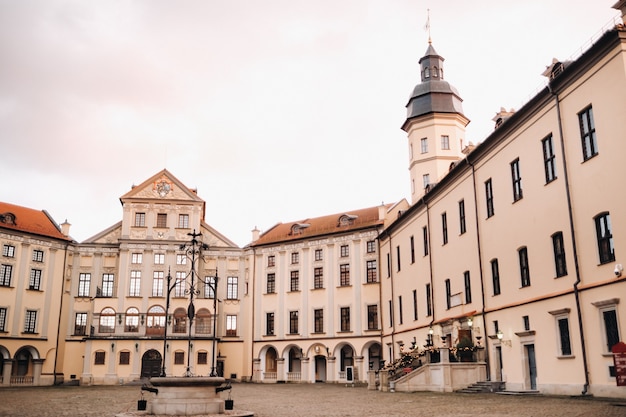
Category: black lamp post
<point>169,289</point>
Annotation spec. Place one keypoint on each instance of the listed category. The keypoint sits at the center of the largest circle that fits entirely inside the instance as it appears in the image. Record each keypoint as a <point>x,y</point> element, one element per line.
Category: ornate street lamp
<point>169,288</point>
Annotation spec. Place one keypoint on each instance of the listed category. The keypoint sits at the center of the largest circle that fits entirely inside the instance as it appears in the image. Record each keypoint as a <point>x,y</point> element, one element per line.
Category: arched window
<point>155,323</point>
<point>180,320</point>
<point>132,320</point>
<point>426,73</point>
<point>435,72</point>
<point>107,320</point>
<point>203,321</point>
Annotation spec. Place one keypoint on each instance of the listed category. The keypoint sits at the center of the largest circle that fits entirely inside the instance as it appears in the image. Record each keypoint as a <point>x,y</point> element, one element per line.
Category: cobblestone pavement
<point>300,400</point>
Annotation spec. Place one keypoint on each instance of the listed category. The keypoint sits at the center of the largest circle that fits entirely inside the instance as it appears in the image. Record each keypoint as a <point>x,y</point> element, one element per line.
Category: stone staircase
<point>483,387</point>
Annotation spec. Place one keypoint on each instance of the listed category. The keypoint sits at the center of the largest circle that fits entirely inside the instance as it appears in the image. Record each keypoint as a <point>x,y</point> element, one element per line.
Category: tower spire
<point>427,26</point>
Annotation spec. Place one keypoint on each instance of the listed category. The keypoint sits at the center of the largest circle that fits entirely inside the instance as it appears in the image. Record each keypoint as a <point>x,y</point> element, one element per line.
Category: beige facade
<point>519,243</point>
<point>33,258</point>
<point>317,298</point>
<point>119,312</point>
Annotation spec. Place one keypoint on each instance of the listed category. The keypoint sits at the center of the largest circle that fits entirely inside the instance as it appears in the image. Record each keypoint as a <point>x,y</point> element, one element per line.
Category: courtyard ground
<point>302,400</point>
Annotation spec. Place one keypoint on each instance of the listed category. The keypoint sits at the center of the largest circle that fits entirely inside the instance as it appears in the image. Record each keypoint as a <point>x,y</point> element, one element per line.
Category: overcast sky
<point>274,110</point>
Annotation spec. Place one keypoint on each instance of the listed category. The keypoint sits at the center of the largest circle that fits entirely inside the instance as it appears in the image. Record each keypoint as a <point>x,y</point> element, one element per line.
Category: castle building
<point>515,246</point>
<point>518,246</point>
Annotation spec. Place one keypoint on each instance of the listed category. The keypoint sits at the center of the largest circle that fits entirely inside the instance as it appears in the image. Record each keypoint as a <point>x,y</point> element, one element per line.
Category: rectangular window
<point>3,319</point>
<point>8,251</point>
<point>372,274</point>
<point>159,259</point>
<point>135,284</point>
<point>140,219</point>
<point>293,322</point>
<point>448,294</point>
<point>344,275</point>
<point>400,310</point>
<point>231,325</point>
<point>425,239</point>
<point>462,223</point>
<point>202,358</point>
<point>269,324</point>
<point>295,257</point>
<point>183,221</point>
<point>107,285</point>
<point>271,283</point>
<point>181,259</point>
<point>412,249</point>
<point>611,330</point>
<point>524,270</point>
<point>444,227</point>
<point>157,283</point>
<point>495,276</point>
<point>84,284</point>
<point>390,313</point>
<point>559,254</point>
<point>425,180</point>
<point>372,317</point>
<point>295,281</point>
<point>414,304</point>
<point>318,277</point>
<point>125,358</point>
<point>34,282</point>
<point>318,324</point>
<point>424,145</point>
<point>271,261</point>
<point>398,258</point>
<point>80,324</point>
<point>37,255</point>
<point>345,319</point>
<point>468,287</point>
<point>161,220</point>
<point>209,287</point>
<point>588,133</point>
<point>136,258</point>
<point>179,284</point>
<point>179,358</point>
<point>232,288</point>
<point>388,265</point>
<point>30,321</point>
<point>526,320</point>
<point>429,301</point>
<point>319,255</point>
<point>99,357</point>
<point>5,275</point>
<point>445,142</point>
<point>344,251</point>
<point>371,246</point>
<point>604,238</point>
<point>489,198</point>
<point>549,159</point>
<point>516,178</point>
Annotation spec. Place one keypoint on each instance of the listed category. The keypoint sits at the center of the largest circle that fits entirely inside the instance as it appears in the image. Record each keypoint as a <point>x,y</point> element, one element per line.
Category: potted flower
<point>465,349</point>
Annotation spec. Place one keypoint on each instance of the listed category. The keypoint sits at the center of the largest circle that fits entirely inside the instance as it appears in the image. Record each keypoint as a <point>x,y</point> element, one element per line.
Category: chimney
<point>65,228</point>
<point>382,211</point>
<point>256,233</point>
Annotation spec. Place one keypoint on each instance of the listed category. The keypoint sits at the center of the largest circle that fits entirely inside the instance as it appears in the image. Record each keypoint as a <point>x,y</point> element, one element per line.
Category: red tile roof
<point>320,226</point>
<point>27,220</point>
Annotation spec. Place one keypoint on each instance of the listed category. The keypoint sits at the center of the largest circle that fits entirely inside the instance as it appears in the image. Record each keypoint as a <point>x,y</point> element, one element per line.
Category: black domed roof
<point>433,94</point>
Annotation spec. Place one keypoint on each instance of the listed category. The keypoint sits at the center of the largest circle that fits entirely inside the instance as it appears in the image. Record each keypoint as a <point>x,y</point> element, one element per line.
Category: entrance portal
<point>151,364</point>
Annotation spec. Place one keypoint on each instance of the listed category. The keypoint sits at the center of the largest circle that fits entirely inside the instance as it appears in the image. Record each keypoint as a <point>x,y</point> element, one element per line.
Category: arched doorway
<point>151,364</point>
<point>270,364</point>
<point>374,354</point>
<point>320,368</point>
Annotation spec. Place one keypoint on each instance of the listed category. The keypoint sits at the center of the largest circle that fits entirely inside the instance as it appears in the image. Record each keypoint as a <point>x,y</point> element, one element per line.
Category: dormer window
<point>7,218</point>
<point>347,220</point>
<point>297,228</point>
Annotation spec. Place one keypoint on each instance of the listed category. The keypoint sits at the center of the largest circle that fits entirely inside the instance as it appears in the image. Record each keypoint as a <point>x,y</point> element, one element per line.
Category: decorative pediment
<point>162,186</point>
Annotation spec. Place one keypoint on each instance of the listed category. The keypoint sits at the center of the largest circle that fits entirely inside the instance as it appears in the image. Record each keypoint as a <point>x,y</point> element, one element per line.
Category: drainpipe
<point>392,309</point>
<point>253,312</point>
<point>56,347</point>
<point>480,268</point>
<point>430,264</point>
<point>574,246</point>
